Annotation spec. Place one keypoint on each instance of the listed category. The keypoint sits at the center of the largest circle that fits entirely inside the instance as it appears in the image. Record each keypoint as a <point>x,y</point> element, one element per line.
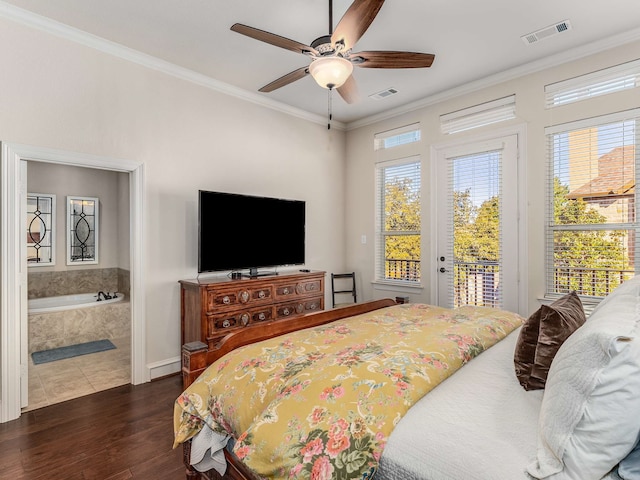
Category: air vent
<point>384,94</point>
<point>547,32</point>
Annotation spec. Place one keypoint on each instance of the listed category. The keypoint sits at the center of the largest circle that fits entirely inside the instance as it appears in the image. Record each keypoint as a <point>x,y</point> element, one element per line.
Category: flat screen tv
<point>238,232</point>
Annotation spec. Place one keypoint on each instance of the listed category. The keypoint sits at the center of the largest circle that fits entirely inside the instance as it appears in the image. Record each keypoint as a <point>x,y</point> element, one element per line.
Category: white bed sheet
<point>479,424</point>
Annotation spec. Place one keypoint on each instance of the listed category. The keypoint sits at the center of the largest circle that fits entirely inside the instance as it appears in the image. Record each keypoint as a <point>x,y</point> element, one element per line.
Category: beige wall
<point>530,112</point>
<point>62,181</point>
<point>61,95</point>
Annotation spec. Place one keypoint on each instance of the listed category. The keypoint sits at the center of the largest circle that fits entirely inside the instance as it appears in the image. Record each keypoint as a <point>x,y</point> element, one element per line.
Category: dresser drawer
<point>296,289</point>
<point>217,299</point>
<point>299,307</point>
<point>217,323</point>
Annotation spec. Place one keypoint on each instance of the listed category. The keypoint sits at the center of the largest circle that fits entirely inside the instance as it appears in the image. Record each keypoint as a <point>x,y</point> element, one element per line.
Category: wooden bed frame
<point>196,358</point>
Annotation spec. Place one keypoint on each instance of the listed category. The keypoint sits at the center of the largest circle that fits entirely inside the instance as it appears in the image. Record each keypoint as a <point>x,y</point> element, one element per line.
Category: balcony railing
<point>407,270</point>
<point>477,283</point>
<point>595,282</point>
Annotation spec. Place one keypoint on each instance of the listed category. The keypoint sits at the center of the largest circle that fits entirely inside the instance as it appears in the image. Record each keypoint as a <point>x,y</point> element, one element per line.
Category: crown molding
<point>47,25</point>
<point>511,74</point>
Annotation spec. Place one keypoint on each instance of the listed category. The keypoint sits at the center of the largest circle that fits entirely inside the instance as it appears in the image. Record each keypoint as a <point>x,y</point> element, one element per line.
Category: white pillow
<point>589,415</point>
<point>629,468</point>
<point>628,287</point>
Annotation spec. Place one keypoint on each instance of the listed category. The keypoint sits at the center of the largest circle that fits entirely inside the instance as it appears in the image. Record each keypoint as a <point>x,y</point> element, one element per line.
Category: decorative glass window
<point>41,219</point>
<point>82,230</point>
<point>398,220</point>
<point>592,225</point>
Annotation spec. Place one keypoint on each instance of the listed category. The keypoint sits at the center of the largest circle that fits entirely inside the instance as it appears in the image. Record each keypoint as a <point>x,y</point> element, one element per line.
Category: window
<point>397,137</point>
<point>602,82</point>
<point>591,218</point>
<point>82,230</point>
<point>41,215</point>
<point>398,220</point>
<point>488,113</point>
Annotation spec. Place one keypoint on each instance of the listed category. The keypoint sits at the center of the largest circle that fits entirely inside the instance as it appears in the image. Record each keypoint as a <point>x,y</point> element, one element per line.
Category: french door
<point>477,224</point>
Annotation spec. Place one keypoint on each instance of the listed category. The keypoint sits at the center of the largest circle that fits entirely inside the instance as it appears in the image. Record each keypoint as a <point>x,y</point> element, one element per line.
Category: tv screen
<point>247,232</point>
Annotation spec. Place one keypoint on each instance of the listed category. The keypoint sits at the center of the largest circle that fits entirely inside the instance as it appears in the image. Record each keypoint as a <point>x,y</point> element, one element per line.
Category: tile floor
<point>63,380</point>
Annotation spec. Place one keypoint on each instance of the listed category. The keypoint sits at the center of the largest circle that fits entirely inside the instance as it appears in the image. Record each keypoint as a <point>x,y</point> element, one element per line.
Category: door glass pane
<point>476,242</point>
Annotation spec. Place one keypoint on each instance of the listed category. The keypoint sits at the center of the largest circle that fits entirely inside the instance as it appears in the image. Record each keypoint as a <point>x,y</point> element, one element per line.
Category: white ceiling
<point>471,40</point>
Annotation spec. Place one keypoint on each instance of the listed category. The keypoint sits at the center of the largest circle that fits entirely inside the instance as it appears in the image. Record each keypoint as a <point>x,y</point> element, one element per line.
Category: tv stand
<point>254,273</point>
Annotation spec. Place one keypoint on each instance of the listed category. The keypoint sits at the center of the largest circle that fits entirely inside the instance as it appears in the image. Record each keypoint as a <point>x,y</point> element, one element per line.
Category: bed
<point>453,412</point>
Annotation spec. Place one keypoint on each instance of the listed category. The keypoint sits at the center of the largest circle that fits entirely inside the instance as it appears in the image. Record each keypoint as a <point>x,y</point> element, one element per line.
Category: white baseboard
<point>164,367</point>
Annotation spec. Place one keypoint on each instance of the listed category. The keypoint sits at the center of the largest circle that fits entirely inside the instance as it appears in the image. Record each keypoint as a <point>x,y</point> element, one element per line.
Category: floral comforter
<point>321,403</point>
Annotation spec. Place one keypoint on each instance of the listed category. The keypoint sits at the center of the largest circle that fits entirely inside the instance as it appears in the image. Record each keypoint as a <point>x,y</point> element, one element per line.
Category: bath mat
<point>60,353</point>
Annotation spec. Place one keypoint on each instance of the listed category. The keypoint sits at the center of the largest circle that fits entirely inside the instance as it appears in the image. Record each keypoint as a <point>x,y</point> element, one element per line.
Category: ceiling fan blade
<point>286,79</point>
<point>349,90</point>
<point>273,39</point>
<point>391,59</point>
<point>355,22</point>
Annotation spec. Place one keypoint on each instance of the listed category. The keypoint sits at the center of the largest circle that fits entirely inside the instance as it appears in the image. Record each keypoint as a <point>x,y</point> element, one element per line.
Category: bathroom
<point>68,261</point>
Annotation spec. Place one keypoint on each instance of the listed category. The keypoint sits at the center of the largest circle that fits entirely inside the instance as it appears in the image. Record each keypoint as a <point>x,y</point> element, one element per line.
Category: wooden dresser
<point>213,307</point>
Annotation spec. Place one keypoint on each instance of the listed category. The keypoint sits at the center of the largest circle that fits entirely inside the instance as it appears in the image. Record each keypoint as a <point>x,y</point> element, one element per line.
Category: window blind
<point>475,239</point>
<point>479,115</point>
<point>398,190</point>
<point>602,82</point>
<point>592,228</point>
<point>397,136</point>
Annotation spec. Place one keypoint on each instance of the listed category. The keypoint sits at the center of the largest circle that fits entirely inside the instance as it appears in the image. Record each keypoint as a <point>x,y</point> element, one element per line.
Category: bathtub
<point>68,302</point>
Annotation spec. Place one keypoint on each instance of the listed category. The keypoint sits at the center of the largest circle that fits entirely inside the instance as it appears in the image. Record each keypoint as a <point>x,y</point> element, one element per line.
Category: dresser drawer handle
<point>226,324</point>
<point>261,294</point>
<point>286,291</point>
<point>313,306</point>
<point>286,311</point>
<point>226,300</point>
<point>244,318</point>
<point>261,316</point>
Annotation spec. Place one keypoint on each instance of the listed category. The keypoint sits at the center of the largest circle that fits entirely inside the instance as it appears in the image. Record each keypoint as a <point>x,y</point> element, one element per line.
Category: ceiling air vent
<point>546,32</point>
<point>384,94</point>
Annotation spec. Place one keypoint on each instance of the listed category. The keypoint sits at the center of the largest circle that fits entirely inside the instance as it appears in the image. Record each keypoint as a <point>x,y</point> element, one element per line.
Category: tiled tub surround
<point>67,282</point>
<point>70,327</point>
<point>63,380</point>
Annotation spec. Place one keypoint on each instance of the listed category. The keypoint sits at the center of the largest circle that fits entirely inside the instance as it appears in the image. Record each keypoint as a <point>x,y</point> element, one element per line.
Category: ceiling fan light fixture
<point>330,72</point>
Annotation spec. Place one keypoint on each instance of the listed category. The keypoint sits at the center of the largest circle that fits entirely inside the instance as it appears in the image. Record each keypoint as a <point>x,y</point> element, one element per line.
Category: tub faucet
<point>104,295</point>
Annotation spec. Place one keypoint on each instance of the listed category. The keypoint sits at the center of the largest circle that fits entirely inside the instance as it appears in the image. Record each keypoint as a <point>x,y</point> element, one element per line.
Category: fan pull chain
<point>329,113</point>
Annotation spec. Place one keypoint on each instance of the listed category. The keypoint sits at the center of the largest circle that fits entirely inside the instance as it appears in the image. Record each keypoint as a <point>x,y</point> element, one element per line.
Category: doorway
<point>477,207</point>
<point>13,285</point>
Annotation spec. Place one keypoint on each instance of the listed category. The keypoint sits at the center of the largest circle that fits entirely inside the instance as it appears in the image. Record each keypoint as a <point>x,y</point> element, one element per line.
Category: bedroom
<point>69,97</point>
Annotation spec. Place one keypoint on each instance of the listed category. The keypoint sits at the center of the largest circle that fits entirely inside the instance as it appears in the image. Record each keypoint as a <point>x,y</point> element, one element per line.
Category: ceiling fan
<point>332,59</point>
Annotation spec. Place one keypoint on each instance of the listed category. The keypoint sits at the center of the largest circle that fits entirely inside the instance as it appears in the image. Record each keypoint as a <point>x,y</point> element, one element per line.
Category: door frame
<point>13,264</point>
<point>437,151</point>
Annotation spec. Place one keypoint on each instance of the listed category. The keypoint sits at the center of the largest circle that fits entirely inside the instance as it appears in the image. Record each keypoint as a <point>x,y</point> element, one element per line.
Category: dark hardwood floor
<point>125,432</point>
